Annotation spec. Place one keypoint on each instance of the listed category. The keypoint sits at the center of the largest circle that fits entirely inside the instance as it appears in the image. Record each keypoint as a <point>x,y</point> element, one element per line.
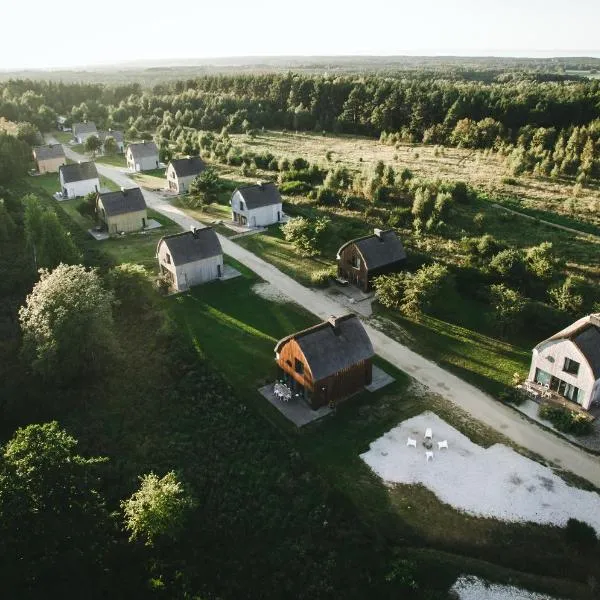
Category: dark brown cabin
<point>328,362</point>
<point>362,259</point>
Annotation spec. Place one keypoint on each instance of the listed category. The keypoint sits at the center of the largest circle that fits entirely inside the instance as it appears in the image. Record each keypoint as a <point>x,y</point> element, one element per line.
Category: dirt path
<point>471,399</point>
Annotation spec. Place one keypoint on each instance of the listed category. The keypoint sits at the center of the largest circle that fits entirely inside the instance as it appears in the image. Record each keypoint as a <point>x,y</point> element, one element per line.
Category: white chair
<point>428,434</point>
<point>428,456</point>
<point>411,442</point>
<point>443,444</point>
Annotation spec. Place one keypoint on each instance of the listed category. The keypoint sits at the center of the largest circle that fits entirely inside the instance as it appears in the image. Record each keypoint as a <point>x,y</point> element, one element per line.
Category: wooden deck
<point>544,395</point>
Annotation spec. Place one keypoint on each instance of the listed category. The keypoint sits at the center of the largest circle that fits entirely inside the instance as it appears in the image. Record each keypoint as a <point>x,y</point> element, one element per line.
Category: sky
<point>66,33</point>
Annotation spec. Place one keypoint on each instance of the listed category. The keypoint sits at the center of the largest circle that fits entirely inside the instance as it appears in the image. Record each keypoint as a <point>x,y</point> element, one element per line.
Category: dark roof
<point>585,334</point>
<point>123,201</point>
<point>89,127</point>
<point>184,167</point>
<point>78,172</point>
<point>260,194</point>
<point>143,149</point>
<point>191,246</point>
<point>50,151</point>
<point>333,345</point>
<point>379,249</point>
<point>118,135</point>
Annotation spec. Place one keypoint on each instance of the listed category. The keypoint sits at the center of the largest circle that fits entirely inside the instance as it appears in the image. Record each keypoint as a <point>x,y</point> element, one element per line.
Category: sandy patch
<point>473,588</point>
<point>270,292</point>
<point>496,482</point>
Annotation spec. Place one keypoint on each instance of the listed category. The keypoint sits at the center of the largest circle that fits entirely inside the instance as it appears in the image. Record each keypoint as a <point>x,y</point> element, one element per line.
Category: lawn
<point>64,137</point>
<point>151,180</point>
<point>208,214</point>
<point>116,160</point>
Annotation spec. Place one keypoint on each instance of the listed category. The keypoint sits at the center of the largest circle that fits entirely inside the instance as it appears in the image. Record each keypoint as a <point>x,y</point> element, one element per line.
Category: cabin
<point>82,131</point>
<point>190,258</point>
<point>362,259</point>
<point>78,179</point>
<point>49,158</point>
<point>142,156</point>
<point>118,137</point>
<point>326,363</point>
<point>61,124</point>
<point>182,171</point>
<point>123,211</point>
<point>257,205</point>
<point>568,363</point>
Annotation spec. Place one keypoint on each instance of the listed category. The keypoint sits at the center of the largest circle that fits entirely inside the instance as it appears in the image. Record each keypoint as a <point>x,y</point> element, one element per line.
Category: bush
<point>322,276</point>
<point>294,188</point>
<point>579,533</point>
<point>512,395</point>
<point>566,420</point>
<point>510,181</point>
<point>328,197</point>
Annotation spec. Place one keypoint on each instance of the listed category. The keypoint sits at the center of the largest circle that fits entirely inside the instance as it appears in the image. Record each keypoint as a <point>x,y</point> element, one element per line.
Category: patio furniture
<point>428,433</point>
<point>443,444</point>
<point>428,456</point>
<point>411,442</point>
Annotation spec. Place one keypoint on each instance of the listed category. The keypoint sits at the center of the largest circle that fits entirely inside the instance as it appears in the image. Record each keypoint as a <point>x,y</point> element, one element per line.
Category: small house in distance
<point>256,205</point>
<point>190,258</point>
<point>360,260</point>
<point>142,156</point>
<point>82,131</point>
<point>123,211</point>
<point>568,363</point>
<point>117,135</point>
<point>182,171</point>
<point>78,179</point>
<point>328,362</point>
<point>49,158</point>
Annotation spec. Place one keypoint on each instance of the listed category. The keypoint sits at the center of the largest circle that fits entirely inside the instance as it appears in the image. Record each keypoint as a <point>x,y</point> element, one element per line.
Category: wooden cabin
<point>328,362</point>
<point>362,259</point>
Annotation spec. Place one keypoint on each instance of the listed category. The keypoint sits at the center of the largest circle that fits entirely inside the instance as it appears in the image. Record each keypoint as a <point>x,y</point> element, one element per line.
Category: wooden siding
<point>358,277</point>
<point>332,389</point>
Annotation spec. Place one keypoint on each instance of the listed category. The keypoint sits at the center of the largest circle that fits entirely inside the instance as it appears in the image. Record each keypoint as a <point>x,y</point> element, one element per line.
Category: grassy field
<point>223,315</point>
<point>64,137</point>
<point>116,160</point>
<point>151,180</point>
<point>482,170</point>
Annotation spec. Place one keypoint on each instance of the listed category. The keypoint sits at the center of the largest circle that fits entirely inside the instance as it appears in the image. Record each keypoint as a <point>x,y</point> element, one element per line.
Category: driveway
<point>471,399</point>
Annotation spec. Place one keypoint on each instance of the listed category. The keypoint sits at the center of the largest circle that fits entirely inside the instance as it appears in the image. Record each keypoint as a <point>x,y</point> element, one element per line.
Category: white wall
<point>80,188</point>
<point>257,217</point>
<point>558,350</point>
<point>84,136</point>
<point>190,274</point>
<point>147,163</point>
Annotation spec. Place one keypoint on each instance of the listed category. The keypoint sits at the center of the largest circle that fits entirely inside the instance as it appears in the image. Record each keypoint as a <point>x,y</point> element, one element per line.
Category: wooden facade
<point>352,267</point>
<point>331,387</point>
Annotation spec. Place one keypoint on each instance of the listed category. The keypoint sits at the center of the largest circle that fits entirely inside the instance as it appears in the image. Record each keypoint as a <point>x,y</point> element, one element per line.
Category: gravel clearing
<point>473,588</point>
<point>270,292</point>
<point>496,482</point>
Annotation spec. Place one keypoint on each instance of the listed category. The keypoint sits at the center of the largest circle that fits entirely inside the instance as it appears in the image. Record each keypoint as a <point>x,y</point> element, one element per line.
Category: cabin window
<point>299,366</point>
<point>571,366</point>
<point>168,257</point>
<point>356,261</point>
<point>288,362</point>
<point>242,205</point>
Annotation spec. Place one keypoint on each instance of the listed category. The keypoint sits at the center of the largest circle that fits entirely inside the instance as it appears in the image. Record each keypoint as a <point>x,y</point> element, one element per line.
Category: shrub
<point>579,533</point>
<point>322,276</point>
<point>512,396</point>
<point>510,181</point>
<point>294,188</point>
<point>327,196</point>
<point>566,420</point>
<point>300,163</point>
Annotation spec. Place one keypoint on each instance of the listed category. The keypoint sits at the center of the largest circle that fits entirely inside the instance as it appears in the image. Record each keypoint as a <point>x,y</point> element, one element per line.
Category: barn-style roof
<point>260,194</point>
<point>122,202</point>
<point>190,246</point>
<point>333,345</point>
<point>83,128</point>
<point>379,249</point>
<point>585,334</point>
<point>143,149</point>
<point>78,172</point>
<point>49,152</point>
<point>185,167</point>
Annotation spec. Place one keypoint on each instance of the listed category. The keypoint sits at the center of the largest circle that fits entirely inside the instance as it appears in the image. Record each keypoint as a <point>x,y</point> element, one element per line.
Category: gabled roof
<point>333,345</point>
<point>143,149</point>
<point>49,152</point>
<point>184,167</point>
<point>89,127</point>
<point>379,249</point>
<point>118,135</point>
<point>260,194</point>
<point>78,172</point>
<point>585,334</point>
<point>190,246</point>
<point>122,202</point>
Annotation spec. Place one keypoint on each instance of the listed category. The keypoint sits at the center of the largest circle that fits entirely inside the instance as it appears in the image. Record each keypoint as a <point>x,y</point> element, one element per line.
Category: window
<point>356,261</point>
<point>288,362</point>
<point>299,366</point>
<point>571,366</point>
<point>168,257</point>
